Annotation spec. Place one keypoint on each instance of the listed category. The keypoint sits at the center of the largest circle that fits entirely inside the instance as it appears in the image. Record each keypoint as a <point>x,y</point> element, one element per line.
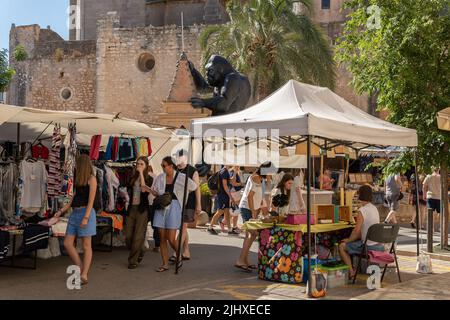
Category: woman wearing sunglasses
<point>168,220</point>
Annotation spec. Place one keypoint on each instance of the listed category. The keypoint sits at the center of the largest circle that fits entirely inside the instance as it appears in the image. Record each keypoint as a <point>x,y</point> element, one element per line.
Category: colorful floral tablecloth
<point>281,251</point>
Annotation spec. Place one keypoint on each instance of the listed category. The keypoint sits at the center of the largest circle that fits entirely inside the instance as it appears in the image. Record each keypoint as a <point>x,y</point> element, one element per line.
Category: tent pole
<point>184,204</point>
<point>321,172</point>
<point>308,212</point>
<point>418,222</point>
<point>18,141</point>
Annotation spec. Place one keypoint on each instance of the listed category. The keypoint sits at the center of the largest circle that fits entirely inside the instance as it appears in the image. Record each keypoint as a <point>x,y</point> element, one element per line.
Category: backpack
<point>213,183</point>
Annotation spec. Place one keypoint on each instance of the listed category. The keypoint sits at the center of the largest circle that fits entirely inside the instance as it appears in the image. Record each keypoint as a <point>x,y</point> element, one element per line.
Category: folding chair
<point>381,233</point>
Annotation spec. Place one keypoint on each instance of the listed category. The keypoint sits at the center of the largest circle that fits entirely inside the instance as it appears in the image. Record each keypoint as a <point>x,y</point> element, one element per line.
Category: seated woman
<point>367,216</point>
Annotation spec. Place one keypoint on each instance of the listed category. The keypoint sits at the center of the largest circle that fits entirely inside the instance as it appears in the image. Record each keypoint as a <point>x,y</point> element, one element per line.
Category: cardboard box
<point>345,214</point>
<point>325,211</point>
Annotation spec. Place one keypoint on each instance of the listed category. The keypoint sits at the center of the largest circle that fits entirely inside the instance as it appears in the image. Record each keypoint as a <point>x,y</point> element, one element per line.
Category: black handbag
<point>162,201</point>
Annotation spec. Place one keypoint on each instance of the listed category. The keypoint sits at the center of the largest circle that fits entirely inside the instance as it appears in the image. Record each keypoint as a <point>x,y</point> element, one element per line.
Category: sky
<point>53,13</point>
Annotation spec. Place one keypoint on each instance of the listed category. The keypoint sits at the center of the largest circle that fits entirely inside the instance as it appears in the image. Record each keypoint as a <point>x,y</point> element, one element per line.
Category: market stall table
<point>282,247</point>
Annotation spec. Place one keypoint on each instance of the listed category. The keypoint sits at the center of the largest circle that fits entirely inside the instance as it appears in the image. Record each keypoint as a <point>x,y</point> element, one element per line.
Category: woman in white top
<point>168,220</point>
<point>367,216</point>
<point>249,206</point>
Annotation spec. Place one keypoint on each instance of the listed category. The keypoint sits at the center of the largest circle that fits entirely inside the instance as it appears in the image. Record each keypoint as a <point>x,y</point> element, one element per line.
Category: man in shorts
<point>432,193</point>
<point>224,202</point>
<point>393,187</point>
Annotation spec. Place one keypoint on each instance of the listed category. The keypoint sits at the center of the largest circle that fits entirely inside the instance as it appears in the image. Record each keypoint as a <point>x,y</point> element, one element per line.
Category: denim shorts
<point>356,247</point>
<point>75,219</point>
<point>246,214</point>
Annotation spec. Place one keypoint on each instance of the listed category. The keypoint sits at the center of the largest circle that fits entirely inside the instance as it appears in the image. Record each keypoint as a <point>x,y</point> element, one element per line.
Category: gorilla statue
<point>231,89</point>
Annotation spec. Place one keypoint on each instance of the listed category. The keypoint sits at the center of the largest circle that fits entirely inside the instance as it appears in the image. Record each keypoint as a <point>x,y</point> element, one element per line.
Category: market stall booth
<point>303,114</point>
<point>37,159</point>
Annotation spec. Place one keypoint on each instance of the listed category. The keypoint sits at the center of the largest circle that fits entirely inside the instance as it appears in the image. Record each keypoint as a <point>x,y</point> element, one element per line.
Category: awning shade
<point>299,109</point>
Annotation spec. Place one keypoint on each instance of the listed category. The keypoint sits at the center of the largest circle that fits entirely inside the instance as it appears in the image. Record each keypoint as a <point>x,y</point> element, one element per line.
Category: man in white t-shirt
<point>432,192</point>
<point>368,215</point>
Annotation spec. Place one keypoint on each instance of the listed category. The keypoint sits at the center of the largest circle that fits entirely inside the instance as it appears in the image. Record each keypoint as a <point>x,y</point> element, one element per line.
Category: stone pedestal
<point>177,114</point>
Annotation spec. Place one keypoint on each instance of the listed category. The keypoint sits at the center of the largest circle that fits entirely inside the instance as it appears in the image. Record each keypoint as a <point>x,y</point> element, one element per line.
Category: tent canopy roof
<point>87,123</point>
<point>443,118</point>
<point>299,109</point>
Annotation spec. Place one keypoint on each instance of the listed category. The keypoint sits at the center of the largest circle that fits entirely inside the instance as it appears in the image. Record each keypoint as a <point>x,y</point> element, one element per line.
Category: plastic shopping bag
<point>318,284</point>
<point>424,264</point>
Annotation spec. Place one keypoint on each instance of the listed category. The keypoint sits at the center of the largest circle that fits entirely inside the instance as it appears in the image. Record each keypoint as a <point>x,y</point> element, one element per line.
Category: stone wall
<point>121,85</point>
<point>131,12</point>
<point>58,74</point>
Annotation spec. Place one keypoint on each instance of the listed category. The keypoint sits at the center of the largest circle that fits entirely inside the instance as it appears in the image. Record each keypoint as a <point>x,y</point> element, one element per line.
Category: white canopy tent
<point>299,109</point>
<point>299,112</point>
<point>37,123</point>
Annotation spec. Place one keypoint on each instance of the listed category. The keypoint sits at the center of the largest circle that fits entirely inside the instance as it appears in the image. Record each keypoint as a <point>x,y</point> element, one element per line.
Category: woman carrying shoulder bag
<point>82,221</point>
<point>168,217</point>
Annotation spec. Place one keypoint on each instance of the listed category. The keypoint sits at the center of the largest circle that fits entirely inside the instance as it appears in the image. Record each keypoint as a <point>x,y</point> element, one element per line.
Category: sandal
<point>84,281</point>
<point>132,266</point>
<point>172,259</point>
<point>253,267</point>
<point>162,269</point>
<point>243,268</point>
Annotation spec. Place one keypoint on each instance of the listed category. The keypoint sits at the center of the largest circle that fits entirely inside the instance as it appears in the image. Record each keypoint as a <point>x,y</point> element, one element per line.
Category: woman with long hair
<point>168,219</point>
<point>82,221</point>
<point>138,211</point>
<point>281,195</point>
<point>291,195</point>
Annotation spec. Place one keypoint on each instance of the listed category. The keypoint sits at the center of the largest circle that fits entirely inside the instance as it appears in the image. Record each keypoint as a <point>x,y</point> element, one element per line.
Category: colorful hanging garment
<point>54,171</point>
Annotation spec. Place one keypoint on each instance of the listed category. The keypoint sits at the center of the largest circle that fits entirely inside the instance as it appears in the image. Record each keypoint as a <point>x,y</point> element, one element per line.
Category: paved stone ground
<point>209,275</point>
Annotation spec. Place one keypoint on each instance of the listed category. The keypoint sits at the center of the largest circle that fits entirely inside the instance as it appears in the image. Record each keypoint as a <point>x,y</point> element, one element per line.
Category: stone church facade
<point>122,56</point>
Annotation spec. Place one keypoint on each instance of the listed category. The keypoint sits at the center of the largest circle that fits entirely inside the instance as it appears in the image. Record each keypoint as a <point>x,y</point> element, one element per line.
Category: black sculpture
<point>231,89</point>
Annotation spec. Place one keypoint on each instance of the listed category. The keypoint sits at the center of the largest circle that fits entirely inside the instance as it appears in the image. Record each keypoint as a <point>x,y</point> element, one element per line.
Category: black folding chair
<point>381,233</point>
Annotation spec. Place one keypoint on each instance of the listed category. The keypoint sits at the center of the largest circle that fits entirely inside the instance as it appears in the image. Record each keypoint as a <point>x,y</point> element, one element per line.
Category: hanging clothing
<point>39,151</point>
<point>135,149</point>
<point>125,149</point>
<point>34,183</point>
<point>143,151</point>
<point>26,150</point>
<point>9,187</point>
<point>113,186</point>
<point>108,153</point>
<point>115,149</point>
<point>96,142</point>
<point>69,165</point>
<point>54,171</point>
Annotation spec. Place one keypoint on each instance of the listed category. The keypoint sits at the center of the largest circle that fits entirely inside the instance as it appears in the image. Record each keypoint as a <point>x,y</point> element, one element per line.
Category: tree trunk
<point>444,199</point>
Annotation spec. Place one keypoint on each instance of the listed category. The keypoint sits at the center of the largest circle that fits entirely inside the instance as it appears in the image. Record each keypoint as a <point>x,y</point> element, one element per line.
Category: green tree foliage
<point>269,42</point>
<point>20,54</point>
<point>405,61</point>
<point>6,72</point>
